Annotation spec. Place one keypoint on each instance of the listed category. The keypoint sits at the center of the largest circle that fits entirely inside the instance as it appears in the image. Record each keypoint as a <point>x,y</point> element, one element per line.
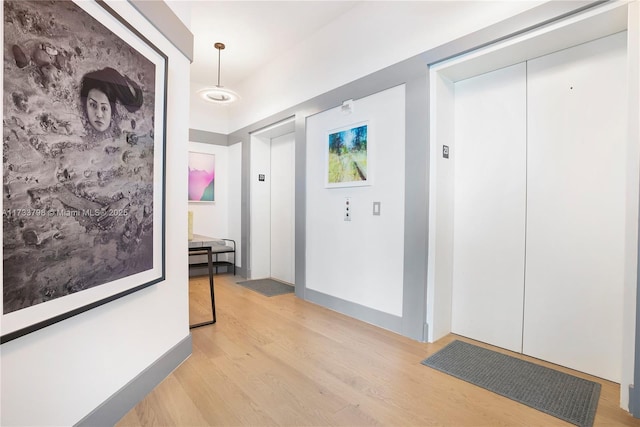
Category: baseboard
<point>242,272</point>
<point>360,312</point>
<point>122,401</point>
<point>634,402</point>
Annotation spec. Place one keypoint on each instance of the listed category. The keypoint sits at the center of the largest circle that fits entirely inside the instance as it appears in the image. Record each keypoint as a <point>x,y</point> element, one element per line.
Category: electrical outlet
<point>347,209</point>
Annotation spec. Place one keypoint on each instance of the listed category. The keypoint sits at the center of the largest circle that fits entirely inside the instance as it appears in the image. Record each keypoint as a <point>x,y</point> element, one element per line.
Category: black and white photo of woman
<point>78,157</point>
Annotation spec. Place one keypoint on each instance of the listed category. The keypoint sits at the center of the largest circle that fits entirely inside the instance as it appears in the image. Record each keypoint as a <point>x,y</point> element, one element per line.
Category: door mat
<point>268,287</point>
<point>561,395</point>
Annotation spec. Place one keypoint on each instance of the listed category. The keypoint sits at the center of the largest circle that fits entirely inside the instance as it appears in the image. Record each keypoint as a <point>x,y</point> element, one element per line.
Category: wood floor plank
<point>168,405</point>
<point>285,361</point>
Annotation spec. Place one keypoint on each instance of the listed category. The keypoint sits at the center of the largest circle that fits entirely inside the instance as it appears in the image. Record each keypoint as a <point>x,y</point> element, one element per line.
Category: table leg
<point>213,300</point>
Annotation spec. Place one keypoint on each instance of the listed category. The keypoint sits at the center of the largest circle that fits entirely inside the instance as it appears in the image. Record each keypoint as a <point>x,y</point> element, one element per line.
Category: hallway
<point>284,361</point>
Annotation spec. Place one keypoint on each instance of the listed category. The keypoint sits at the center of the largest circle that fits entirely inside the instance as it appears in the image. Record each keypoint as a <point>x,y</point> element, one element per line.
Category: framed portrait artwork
<point>347,159</point>
<point>83,161</point>
<point>202,173</point>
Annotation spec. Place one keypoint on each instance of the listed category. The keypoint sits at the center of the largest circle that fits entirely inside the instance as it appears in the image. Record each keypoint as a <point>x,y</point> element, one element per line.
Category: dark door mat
<point>561,395</point>
<point>268,287</point>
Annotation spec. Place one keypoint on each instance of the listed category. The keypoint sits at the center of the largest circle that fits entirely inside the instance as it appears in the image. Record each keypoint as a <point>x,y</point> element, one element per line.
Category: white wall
<point>361,260</point>
<point>211,218</point>
<point>59,374</point>
<point>631,244</point>
<point>309,68</point>
<point>181,9</point>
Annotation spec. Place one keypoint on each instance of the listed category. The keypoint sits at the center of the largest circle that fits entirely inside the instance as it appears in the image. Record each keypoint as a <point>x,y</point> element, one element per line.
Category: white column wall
<point>633,183</point>
<point>59,374</point>
<point>360,261</point>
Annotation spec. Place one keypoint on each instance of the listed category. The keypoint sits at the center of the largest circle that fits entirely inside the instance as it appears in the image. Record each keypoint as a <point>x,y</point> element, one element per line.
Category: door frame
<point>259,240</point>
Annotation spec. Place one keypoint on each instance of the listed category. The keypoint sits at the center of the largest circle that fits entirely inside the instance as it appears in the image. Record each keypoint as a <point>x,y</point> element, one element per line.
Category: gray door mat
<point>267,287</point>
<point>561,395</point>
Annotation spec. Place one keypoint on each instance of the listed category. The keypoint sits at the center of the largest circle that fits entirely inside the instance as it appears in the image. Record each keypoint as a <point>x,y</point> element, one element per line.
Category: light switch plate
<point>376,208</point>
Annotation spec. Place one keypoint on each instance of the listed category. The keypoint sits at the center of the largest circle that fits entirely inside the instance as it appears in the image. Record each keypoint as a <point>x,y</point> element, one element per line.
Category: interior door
<point>282,208</point>
<point>489,207</point>
<point>576,207</point>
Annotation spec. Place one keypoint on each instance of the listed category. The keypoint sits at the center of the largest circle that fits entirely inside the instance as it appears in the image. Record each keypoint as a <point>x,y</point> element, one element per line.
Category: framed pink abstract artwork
<point>201,177</point>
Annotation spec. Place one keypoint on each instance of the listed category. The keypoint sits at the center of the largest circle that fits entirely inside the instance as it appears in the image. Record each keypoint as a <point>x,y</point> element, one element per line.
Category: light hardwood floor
<point>284,361</point>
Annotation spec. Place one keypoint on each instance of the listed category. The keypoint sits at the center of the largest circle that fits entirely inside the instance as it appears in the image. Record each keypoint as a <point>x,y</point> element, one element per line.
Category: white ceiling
<point>280,53</point>
<point>254,32</point>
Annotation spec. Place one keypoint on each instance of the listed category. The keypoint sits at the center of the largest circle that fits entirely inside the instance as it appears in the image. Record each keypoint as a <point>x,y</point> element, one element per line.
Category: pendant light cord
<point>219,66</point>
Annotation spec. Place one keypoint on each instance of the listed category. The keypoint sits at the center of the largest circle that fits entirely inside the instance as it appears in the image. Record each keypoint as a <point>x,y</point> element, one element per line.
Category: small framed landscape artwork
<point>201,177</point>
<point>347,156</point>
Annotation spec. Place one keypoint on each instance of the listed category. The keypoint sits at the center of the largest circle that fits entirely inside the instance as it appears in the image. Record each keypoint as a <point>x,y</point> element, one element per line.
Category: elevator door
<point>576,206</point>
<point>489,207</point>
<point>539,207</point>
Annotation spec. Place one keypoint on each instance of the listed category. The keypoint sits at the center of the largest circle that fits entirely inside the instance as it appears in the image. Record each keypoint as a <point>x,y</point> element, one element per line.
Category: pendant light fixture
<point>218,94</point>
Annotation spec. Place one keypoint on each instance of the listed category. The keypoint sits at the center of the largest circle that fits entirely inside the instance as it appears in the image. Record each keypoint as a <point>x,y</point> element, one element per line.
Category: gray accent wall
<point>245,201</point>
<point>416,213</point>
<point>366,314</point>
<point>634,390</point>
<point>300,204</point>
<point>206,137</point>
<point>163,18</point>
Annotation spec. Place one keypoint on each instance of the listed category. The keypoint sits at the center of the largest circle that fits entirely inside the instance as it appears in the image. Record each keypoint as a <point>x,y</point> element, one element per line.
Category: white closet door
<point>489,207</point>
<point>282,208</point>
<point>575,207</point>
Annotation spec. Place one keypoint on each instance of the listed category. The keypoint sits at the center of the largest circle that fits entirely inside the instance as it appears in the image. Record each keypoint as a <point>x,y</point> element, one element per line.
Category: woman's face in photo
<point>98,110</point>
